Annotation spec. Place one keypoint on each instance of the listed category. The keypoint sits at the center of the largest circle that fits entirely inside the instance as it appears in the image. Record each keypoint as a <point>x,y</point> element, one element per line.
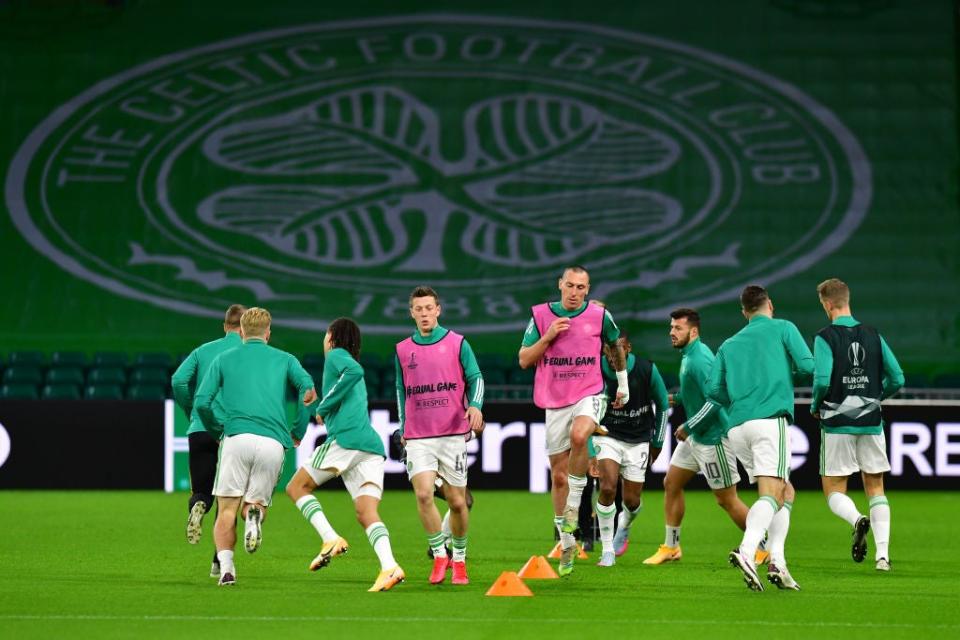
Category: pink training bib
<point>570,368</point>
<point>435,388</point>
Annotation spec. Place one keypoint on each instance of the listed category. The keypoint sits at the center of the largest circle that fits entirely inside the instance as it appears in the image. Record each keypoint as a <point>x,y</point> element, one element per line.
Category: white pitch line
<point>672,621</point>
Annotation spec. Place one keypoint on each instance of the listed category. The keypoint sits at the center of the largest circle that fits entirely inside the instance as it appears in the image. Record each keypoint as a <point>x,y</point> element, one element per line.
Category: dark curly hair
<point>345,333</point>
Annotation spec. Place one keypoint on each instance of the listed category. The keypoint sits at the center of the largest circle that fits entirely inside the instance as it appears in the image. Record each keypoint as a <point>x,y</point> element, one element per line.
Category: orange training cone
<point>555,554</point>
<point>537,568</point>
<point>509,584</point>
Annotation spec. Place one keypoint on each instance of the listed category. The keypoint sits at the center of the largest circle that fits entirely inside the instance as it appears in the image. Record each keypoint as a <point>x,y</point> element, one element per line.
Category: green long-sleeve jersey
<point>471,372</point>
<point>823,370</point>
<point>755,370</point>
<point>250,382</point>
<point>695,365</point>
<point>191,371</point>
<point>343,404</point>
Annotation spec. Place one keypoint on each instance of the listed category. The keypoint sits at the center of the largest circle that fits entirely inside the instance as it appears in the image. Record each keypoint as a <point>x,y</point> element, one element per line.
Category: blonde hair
<point>255,321</point>
<point>834,291</point>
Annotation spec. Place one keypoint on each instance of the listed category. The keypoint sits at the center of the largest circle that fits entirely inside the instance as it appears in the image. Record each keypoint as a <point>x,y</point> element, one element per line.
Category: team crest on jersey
<point>412,363</point>
<point>331,166</point>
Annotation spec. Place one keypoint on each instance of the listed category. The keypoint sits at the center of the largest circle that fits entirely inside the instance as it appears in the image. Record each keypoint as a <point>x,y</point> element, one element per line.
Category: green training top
<point>610,329</point>
<point>250,382</point>
<point>696,361</point>
<point>191,371</point>
<point>755,370</point>
<point>471,371</point>
<point>343,405</point>
<point>823,370</point>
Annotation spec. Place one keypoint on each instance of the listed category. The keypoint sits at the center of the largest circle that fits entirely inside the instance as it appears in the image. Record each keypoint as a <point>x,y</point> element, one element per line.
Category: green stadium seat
<point>146,392</point>
<point>159,360</point>
<point>489,361</point>
<point>106,375</point>
<point>494,376</point>
<point>317,375</point>
<point>23,374</point>
<point>60,392</point>
<point>110,359</point>
<point>495,394</point>
<point>373,390</point>
<point>947,381</point>
<point>149,375</point>
<point>670,380</point>
<point>18,391</point>
<point>371,362</point>
<point>312,361</point>
<point>916,380</point>
<point>103,392</point>
<point>68,359</point>
<point>521,376</point>
<point>64,375</point>
<point>33,358</point>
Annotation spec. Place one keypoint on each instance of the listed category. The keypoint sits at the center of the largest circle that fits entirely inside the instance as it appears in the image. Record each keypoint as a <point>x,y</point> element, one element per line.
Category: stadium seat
<point>159,360</point>
<point>110,359</point>
<point>371,362</point>
<point>946,381</point>
<point>317,374</point>
<point>150,375</point>
<point>68,359</point>
<point>61,391</point>
<point>33,358</point>
<point>106,375</point>
<point>18,391</point>
<point>490,361</point>
<point>670,380</point>
<point>146,392</point>
<point>521,376</point>
<point>65,375</point>
<point>494,377</point>
<point>103,392</point>
<point>23,374</point>
<point>373,390</point>
<point>916,380</point>
<point>312,361</point>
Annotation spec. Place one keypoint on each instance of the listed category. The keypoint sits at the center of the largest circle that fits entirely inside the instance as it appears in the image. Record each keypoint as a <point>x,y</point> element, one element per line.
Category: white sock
<point>576,485</point>
<point>758,521</point>
<point>558,523</point>
<point>313,512</point>
<point>672,537</point>
<point>567,540</point>
<point>445,526</point>
<point>606,515</point>
<point>379,539</point>
<point>779,527</point>
<point>880,523</point>
<point>627,516</point>
<point>843,506</point>
<point>225,557</point>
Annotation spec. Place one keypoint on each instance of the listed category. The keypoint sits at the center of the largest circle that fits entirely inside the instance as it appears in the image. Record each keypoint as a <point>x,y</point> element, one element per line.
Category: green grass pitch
<point>116,565</point>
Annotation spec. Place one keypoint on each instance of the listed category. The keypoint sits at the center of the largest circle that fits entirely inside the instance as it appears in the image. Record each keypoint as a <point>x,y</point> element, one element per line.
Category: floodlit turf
<point>116,565</point>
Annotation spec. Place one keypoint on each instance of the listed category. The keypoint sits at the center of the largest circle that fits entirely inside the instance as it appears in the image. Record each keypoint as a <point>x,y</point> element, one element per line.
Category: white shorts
<point>250,467</point>
<point>762,447</point>
<point>717,462</point>
<point>357,468</point>
<point>559,421</point>
<point>632,458</point>
<point>844,453</point>
<point>446,456</point>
